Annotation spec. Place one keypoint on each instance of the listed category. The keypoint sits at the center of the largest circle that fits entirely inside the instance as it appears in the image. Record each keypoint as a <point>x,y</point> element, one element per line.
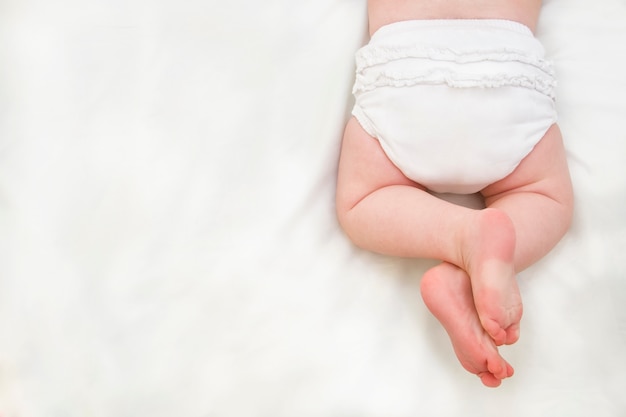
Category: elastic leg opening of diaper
<point>363,120</point>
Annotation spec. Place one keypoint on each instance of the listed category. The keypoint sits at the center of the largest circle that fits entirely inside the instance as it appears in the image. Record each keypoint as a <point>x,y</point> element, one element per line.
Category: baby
<point>455,96</point>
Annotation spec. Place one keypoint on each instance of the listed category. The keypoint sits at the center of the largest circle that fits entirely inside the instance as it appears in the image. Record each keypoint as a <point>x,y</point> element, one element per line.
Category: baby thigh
<point>538,198</point>
<point>364,167</point>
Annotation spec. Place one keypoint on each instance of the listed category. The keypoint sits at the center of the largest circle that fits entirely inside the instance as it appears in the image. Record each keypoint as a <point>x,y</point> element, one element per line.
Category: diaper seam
<point>361,117</point>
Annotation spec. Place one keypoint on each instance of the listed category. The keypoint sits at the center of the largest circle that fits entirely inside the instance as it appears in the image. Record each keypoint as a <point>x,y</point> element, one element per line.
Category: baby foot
<point>447,293</point>
<point>494,285</point>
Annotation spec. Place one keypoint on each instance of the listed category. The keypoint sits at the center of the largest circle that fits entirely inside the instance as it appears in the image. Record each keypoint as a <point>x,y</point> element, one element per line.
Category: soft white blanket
<point>168,244</point>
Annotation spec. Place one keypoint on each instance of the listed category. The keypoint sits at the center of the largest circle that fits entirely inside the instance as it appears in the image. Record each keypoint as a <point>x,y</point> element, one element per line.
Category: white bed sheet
<point>168,244</point>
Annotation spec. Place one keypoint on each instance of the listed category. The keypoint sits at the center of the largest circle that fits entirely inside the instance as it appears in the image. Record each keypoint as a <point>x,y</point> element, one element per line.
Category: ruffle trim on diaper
<point>543,85</point>
<point>376,55</point>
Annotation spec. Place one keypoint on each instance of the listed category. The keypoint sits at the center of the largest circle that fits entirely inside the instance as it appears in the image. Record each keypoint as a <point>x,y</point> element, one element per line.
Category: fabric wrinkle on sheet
<point>455,104</point>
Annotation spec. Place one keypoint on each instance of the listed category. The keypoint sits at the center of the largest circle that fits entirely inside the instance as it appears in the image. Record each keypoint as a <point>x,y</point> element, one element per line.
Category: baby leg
<point>382,211</point>
<point>537,197</point>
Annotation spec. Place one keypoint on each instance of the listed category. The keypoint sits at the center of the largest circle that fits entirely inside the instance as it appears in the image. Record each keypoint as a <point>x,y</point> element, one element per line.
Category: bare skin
<point>448,295</point>
<point>474,292</point>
